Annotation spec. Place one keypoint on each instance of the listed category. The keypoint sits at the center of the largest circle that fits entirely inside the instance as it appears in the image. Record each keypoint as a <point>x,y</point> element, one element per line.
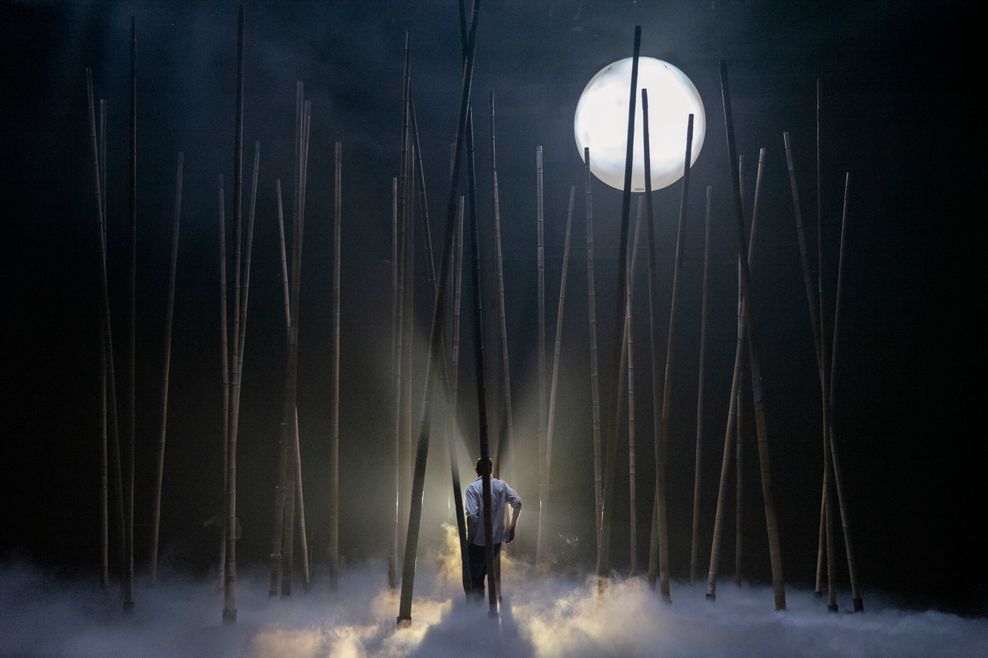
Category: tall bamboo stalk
<point>451,432</point>
<point>594,379</point>
<point>607,506</point>
<point>156,519</point>
<point>506,438</point>
<point>735,401</point>
<point>396,309</point>
<point>128,594</point>
<point>557,348</point>
<point>771,522</point>
<point>698,462</point>
<point>106,324</point>
<point>438,312</point>
<point>542,430</point>
<point>632,449</point>
<point>657,384</point>
<point>279,488</point>
<point>858,602</point>
<point>230,573</point>
<point>225,358</point>
<point>423,197</point>
<point>664,419</point>
<point>334,413</point>
<point>104,475</point>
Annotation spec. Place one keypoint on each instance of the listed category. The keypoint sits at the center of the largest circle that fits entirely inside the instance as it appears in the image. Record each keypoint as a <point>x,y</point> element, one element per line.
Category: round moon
<point>601,122</point>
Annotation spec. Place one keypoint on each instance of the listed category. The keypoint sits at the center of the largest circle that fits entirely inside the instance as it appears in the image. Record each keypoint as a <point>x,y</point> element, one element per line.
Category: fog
<point>45,615</point>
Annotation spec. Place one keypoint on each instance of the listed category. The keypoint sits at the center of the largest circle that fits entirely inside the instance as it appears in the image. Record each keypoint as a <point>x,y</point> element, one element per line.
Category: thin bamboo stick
<point>698,462</point>
<point>407,298</point>
<point>542,430</point>
<point>664,420</point>
<point>423,197</point>
<point>104,506</point>
<point>156,519</point>
<point>557,349</point>
<point>438,312</point>
<point>396,335</point>
<point>604,540</point>
<point>657,384</point>
<point>279,490</point>
<point>734,401</point>
<point>128,594</point>
<point>453,394</point>
<point>771,522</point>
<point>857,601</point>
<point>225,357</point>
<point>594,379</point>
<point>334,413</point>
<point>629,338</point>
<point>506,438</point>
<point>106,324</point>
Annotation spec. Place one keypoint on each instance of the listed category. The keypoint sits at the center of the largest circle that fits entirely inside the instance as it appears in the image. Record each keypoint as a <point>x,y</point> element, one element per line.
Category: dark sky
<point>899,80</point>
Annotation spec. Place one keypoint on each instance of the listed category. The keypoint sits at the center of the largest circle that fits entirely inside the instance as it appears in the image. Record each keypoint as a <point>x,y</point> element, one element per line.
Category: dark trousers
<point>478,567</point>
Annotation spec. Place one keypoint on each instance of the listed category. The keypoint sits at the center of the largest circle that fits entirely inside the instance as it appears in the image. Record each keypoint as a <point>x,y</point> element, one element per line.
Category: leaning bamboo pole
<point>156,518</point>
<point>225,362</point>
<point>106,324</point>
<point>452,429</point>
<point>104,472</point>
<point>506,437</point>
<point>541,430</point>
<point>607,506</point>
<point>734,401</point>
<point>438,312</point>
<point>334,412</point>
<point>128,595</point>
<point>594,379</point>
<point>664,420</point>
<point>857,601</point>
<point>397,281</point>
<point>279,489</point>
<point>697,460</point>
<point>557,349</point>
<point>632,449</point>
<point>771,522</point>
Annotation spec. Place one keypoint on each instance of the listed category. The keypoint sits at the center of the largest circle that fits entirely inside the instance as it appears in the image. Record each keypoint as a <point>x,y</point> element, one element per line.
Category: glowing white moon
<point>601,122</point>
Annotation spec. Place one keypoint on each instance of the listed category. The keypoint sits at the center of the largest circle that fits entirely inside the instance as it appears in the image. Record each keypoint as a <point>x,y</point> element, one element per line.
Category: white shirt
<point>501,491</point>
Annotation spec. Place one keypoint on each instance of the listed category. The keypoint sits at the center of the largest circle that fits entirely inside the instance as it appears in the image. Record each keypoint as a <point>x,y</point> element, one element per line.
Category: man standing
<point>501,492</point>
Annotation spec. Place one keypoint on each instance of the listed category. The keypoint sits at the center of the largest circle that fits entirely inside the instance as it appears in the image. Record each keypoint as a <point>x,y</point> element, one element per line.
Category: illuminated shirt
<point>501,491</point>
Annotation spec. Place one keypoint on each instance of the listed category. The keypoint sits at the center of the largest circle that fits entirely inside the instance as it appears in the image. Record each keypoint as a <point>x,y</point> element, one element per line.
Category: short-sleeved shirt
<point>501,492</point>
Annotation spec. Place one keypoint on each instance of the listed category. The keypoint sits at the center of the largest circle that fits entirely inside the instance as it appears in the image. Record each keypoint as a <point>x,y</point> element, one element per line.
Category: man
<point>501,492</point>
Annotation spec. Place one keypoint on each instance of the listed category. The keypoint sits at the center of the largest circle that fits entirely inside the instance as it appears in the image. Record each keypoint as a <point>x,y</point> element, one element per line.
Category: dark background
<point>900,82</point>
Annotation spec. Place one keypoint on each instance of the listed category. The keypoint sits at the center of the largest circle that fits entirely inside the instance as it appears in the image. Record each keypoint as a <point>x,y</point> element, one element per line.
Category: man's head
<point>483,467</point>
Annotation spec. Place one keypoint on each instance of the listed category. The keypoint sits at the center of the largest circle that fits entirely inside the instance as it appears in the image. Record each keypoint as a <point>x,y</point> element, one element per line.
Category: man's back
<point>501,493</point>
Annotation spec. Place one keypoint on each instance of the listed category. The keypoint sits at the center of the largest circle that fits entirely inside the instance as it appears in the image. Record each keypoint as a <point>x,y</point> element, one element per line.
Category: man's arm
<point>514,501</point>
<point>473,513</point>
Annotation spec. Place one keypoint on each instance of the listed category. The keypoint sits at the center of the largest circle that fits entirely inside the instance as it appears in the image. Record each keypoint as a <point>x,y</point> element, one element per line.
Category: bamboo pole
<point>279,488</point>
<point>423,196</point>
<point>156,519</point>
<point>453,394</point>
<point>604,540</point>
<point>334,417</point>
<point>771,522</point>
<point>541,431</point>
<point>698,462</point>
<point>104,506</point>
<point>230,574</point>
<point>629,338</point>
<point>407,300</point>
<point>857,601</point>
<point>397,282</point>
<point>128,594</point>
<point>734,401</point>
<point>594,379</point>
<point>557,348</point>
<point>438,312</point>
<point>663,434</point>
<point>225,357</point>
<point>106,324</point>
<point>506,438</point>
<point>657,384</point>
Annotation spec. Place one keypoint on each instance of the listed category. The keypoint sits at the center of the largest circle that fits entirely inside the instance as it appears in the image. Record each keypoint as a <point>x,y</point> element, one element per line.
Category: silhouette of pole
<point>697,464</point>
<point>629,342</point>
<point>279,487</point>
<point>334,413</point>
<point>104,473</point>
<point>128,593</point>
<point>541,431</point>
<point>594,378</point>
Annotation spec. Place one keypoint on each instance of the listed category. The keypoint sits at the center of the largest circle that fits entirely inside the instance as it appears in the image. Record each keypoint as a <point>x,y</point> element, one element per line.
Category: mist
<point>541,615</point>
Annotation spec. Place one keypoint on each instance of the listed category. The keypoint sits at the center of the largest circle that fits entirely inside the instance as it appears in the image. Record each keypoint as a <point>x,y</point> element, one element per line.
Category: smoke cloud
<point>44,615</point>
